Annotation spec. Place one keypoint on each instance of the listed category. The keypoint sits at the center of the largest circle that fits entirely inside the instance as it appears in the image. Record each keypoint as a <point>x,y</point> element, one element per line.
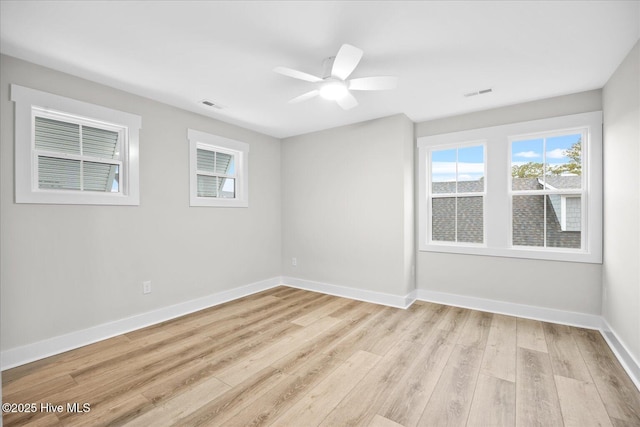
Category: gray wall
<point>67,268</point>
<point>347,206</point>
<point>550,284</point>
<point>621,275</point>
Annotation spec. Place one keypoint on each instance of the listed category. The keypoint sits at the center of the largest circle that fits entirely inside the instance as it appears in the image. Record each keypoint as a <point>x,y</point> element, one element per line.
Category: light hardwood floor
<point>289,357</point>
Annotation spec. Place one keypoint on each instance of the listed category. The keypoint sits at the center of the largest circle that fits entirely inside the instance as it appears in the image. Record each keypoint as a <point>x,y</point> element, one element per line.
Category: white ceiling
<point>181,52</point>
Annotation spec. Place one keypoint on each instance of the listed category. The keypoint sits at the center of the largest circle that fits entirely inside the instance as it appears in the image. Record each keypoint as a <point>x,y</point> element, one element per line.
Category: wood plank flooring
<point>289,357</point>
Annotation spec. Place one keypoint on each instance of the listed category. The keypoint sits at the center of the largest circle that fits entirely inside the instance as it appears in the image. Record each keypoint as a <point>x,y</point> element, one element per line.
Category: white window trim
<point>240,150</point>
<point>431,196</point>
<point>27,102</point>
<point>497,214</point>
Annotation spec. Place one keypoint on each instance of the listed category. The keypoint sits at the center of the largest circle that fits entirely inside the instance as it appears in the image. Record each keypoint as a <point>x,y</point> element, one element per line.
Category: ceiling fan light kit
<point>334,85</point>
<point>333,90</point>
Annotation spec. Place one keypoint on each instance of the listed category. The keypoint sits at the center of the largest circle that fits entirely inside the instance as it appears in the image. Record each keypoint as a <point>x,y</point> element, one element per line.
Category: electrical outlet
<point>146,287</point>
<point>294,261</point>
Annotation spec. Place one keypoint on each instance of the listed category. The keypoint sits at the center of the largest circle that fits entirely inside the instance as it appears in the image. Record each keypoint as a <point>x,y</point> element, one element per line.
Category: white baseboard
<point>582,320</point>
<point>397,301</point>
<point>624,356</point>
<point>28,353</point>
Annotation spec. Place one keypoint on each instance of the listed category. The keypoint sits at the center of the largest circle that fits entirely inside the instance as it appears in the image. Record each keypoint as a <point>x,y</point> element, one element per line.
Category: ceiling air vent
<point>210,104</point>
<point>479,92</point>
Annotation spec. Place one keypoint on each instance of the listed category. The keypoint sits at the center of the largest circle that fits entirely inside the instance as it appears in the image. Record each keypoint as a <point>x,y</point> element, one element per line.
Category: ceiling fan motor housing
<point>327,66</point>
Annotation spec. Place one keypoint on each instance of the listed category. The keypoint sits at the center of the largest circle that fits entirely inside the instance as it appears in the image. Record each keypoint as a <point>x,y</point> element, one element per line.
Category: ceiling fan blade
<point>297,74</point>
<point>374,83</point>
<point>347,102</point>
<point>305,96</point>
<point>346,61</point>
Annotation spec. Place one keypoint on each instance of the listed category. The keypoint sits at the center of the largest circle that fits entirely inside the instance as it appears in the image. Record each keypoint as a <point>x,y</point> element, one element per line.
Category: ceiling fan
<point>334,84</point>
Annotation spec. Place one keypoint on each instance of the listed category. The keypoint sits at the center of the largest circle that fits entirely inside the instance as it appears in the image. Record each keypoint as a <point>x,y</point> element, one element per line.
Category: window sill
<point>218,203</point>
<point>523,253</point>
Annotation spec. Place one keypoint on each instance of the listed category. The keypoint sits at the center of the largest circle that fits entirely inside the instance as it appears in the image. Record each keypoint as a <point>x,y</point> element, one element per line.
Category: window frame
<point>431,195</point>
<point>240,152</point>
<point>497,203</point>
<point>32,103</point>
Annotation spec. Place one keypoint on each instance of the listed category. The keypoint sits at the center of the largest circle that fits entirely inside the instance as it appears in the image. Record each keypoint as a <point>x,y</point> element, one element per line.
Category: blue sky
<point>470,160</point>
<point>470,164</point>
<point>531,150</point>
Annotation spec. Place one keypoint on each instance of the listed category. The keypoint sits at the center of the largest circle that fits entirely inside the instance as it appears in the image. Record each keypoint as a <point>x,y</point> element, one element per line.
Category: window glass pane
<point>471,169</point>
<point>223,163</point>
<point>206,160</point>
<point>115,186</point>
<point>227,188</point>
<point>564,214</point>
<point>58,174</point>
<point>207,186</point>
<point>528,220</point>
<point>100,143</point>
<point>443,171</point>
<point>564,165</point>
<point>98,176</point>
<point>470,222</point>
<point>54,135</point>
<point>443,219</point>
<point>527,164</point>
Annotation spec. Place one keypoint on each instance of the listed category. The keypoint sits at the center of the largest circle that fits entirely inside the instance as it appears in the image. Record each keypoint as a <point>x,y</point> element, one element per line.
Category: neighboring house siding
<point>557,238</point>
<point>574,214</point>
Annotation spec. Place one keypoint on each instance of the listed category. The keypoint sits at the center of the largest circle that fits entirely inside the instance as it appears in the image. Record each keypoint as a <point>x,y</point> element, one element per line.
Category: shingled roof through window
<point>528,213</point>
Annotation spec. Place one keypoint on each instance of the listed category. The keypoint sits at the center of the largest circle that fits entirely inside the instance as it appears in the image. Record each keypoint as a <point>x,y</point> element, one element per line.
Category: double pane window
<point>547,191</point>
<point>216,174</point>
<point>219,171</point>
<point>73,156</point>
<point>457,189</point>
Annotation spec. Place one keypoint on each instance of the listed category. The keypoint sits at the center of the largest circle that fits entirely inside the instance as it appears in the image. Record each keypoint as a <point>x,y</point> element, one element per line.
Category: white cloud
<point>527,154</point>
<point>450,168</point>
<point>446,171</point>
<point>467,177</point>
<point>558,153</point>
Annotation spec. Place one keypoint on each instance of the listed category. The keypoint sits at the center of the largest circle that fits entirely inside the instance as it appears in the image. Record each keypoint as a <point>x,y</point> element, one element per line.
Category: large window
<point>547,192</point>
<point>219,171</point>
<point>71,152</point>
<point>529,190</point>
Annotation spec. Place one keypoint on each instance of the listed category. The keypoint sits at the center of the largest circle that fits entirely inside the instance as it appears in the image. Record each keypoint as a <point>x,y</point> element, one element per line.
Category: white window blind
<point>216,174</point>
<point>72,156</point>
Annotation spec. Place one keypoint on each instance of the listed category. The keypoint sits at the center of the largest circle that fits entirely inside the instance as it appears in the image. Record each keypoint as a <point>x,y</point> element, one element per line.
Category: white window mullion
<point>455,201</point>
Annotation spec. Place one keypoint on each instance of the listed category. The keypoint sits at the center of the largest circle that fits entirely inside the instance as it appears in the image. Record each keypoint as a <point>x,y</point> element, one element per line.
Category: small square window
<point>219,171</point>
<point>71,152</point>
